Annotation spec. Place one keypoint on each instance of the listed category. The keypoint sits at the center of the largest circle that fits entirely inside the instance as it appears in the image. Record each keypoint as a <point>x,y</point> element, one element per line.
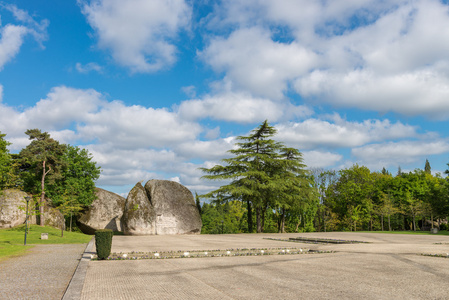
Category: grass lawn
<point>12,239</point>
<point>442,232</point>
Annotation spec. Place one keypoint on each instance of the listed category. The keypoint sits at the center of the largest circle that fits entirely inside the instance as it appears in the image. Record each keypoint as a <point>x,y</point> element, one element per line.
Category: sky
<point>156,89</point>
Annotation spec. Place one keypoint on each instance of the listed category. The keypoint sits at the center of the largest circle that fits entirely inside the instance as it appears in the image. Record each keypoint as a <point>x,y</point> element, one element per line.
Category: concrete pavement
<point>386,268</point>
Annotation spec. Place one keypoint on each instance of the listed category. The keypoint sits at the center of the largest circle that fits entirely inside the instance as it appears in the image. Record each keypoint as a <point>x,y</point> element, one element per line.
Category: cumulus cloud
<point>340,133</point>
<point>93,118</point>
<point>13,35</point>
<point>240,107</point>
<point>258,64</point>
<point>396,153</point>
<point>138,33</point>
<point>321,159</point>
<point>388,56</point>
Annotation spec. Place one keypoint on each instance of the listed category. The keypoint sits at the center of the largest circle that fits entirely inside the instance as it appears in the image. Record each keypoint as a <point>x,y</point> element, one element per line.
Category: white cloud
<point>254,62</point>
<point>206,150</point>
<point>138,33</point>
<point>94,118</point>
<point>240,107</point>
<point>13,35</point>
<point>397,153</point>
<point>88,67</point>
<point>10,43</point>
<point>388,56</point>
<point>320,159</point>
<point>340,133</point>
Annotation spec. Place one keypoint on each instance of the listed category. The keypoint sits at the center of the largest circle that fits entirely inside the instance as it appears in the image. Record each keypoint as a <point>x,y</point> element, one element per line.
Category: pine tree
<point>42,157</point>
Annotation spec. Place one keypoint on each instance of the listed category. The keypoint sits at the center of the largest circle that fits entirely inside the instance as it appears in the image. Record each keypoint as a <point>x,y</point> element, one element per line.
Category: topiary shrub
<point>103,242</point>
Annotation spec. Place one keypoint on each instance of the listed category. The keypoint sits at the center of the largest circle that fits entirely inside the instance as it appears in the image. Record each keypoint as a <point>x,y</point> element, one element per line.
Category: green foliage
<point>78,178</point>
<point>9,168</point>
<point>41,161</point>
<point>232,214</point>
<point>264,174</point>
<point>103,242</point>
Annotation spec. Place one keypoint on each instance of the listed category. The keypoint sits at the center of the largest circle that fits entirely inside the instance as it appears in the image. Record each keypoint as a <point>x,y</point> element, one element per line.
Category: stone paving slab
<point>387,268</point>
<point>43,273</point>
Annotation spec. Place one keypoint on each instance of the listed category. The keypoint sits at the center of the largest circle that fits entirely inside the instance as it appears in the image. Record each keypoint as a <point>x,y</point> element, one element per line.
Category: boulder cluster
<point>160,207</point>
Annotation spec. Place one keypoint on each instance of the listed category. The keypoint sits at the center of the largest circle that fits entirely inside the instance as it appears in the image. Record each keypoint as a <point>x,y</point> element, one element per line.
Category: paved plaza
<point>388,267</point>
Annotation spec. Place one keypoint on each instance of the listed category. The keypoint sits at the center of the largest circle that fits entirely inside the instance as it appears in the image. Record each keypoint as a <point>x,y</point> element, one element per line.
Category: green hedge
<point>103,242</point>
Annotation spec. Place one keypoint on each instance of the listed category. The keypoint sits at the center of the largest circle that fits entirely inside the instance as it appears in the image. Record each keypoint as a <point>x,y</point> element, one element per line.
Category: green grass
<point>12,239</point>
<point>442,232</point>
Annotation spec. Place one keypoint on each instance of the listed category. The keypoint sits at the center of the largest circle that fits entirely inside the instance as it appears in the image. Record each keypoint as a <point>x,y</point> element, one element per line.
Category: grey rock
<point>105,212</point>
<point>176,212</point>
<point>139,217</point>
<point>10,213</point>
<point>12,210</point>
<point>52,216</point>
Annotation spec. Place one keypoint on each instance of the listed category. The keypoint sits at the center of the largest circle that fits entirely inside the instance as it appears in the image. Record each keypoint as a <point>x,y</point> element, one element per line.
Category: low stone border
<point>210,253</point>
<point>436,255</point>
<point>317,241</point>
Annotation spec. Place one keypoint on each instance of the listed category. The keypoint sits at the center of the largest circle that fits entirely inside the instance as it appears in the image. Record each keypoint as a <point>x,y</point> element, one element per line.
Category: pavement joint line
<point>75,287</point>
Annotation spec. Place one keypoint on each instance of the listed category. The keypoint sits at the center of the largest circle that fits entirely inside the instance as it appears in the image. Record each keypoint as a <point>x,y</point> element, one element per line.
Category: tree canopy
<point>262,173</point>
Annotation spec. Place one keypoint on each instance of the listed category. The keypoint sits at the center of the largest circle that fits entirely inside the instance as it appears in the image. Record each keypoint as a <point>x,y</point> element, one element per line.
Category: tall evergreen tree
<point>427,167</point>
<point>263,173</point>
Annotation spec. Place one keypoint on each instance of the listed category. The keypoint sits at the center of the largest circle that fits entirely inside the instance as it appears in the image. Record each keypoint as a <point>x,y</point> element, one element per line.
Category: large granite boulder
<point>139,217</point>
<point>176,212</point>
<point>13,206</point>
<point>10,213</point>
<point>105,212</point>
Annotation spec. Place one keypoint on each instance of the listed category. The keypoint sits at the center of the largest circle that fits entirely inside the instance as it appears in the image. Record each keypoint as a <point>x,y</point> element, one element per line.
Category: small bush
<point>443,226</point>
<point>103,242</point>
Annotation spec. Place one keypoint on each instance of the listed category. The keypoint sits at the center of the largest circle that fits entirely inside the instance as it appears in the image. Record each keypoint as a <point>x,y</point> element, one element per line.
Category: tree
<point>351,196</point>
<point>42,157</point>
<point>198,202</point>
<point>9,177</point>
<point>261,173</point>
<point>427,168</point>
<point>68,205</point>
<point>78,177</point>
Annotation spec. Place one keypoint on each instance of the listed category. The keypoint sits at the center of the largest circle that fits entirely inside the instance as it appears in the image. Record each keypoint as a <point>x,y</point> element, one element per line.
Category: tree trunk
<point>299,223</point>
<point>258,220</point>
<point>414,223</point>
<point>389,224</point>
<point>41,204</point>
<point>324,219</point>
<point>431,218</point>
<point>283,221</point>
<point>250,216</point>
<point>382,221</point>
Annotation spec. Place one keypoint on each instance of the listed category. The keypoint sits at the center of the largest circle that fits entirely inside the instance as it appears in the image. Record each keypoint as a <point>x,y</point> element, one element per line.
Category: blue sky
<point>157,89</point>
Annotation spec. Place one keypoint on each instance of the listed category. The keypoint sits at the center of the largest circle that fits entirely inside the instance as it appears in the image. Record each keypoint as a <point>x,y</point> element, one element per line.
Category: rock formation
<point>139,217</point>
<point>11,215</point>
<point>105,212</point>
<point>161,207</point>
<point>176,212</point>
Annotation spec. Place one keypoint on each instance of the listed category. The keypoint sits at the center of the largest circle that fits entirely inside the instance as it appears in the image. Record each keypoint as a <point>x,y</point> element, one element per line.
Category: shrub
<point>443,226</point>
<point>103,242</point>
